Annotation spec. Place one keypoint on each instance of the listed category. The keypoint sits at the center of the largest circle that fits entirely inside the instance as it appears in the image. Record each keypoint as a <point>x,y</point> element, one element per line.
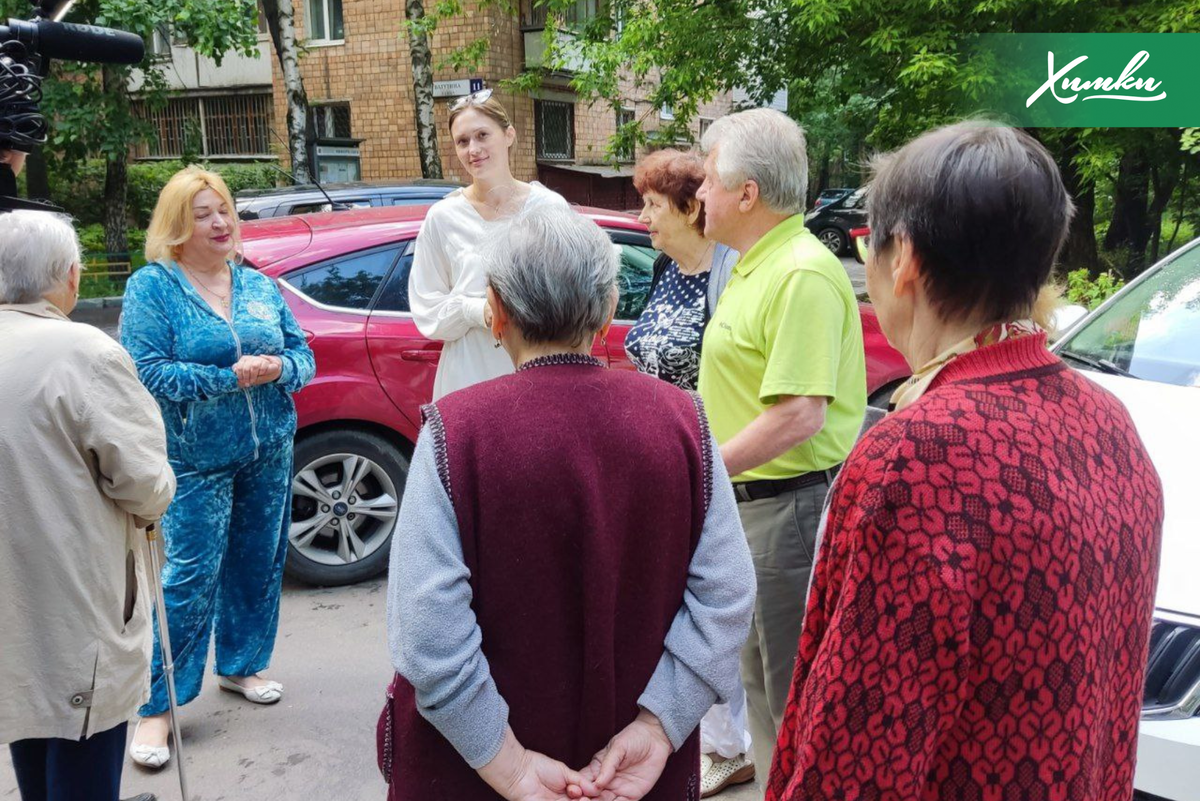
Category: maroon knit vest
<point>580,494</point>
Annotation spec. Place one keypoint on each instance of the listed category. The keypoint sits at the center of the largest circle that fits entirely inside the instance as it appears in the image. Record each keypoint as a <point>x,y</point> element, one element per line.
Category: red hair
<point>675,175</point>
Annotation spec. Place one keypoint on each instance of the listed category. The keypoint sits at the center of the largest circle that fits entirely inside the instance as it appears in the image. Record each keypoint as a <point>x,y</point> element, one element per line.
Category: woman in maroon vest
<point>569,583</point>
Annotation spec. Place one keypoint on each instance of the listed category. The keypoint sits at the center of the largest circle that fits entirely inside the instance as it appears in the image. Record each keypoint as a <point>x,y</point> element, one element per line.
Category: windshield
<point>1153,329</point>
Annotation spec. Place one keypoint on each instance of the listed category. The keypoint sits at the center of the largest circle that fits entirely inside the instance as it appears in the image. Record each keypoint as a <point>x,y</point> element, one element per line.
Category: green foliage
<point>1191,140</point>
<point>1091,292</point>
<point>81,191</point>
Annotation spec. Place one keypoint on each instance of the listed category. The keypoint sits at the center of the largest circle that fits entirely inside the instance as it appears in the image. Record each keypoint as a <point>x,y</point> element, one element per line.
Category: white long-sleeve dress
<point>447,288</point>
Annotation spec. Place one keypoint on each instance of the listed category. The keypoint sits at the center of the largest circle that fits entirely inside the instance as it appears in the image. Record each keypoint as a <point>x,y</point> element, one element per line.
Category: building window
<point>705,124</point>
<point>325,21</point>
<point>331,120</point>
<point>555,124</point>
<point>212,126</point>
<point>262,19</point>
<point>666,112</point>
<point>533,14</point>
<point>625,116</point>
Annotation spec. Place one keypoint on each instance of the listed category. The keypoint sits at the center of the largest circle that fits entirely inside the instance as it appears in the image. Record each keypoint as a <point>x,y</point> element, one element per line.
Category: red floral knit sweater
<point>980,609</point>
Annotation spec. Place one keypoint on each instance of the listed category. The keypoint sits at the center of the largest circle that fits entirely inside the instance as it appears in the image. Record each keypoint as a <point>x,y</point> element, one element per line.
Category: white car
<point>1143,345</point>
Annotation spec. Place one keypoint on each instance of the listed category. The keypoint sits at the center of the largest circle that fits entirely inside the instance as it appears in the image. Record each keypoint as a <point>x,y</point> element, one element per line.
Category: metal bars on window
<point>214,126</point>
<point>555,123</point>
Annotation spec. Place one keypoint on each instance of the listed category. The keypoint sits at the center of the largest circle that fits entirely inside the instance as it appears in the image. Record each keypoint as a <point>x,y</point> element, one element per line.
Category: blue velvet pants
<point>225,536</point>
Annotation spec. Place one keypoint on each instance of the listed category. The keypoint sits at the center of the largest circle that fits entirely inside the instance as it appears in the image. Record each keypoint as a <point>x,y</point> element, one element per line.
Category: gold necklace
<point>696,270</point>
<point>222,299</point>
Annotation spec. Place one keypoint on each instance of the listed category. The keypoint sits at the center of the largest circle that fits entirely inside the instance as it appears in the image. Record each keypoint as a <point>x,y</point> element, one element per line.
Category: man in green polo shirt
<point>783,379</point>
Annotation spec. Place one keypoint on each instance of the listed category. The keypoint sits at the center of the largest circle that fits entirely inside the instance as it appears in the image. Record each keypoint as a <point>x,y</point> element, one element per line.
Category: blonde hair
<point>491,108</point>
<point>172,222</point>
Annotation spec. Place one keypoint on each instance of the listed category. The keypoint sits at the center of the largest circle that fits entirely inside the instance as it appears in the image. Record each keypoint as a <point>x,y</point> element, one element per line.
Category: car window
<point>412,200</point>
<point>856,200</point>
<point>394,295</point>
<point>1152,330</point>
<point>324,205</point>
<point>348,282</point>
<point>633,280</point>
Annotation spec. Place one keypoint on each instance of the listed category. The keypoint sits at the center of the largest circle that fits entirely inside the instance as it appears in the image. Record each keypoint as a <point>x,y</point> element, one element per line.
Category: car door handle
<point>420,355</point>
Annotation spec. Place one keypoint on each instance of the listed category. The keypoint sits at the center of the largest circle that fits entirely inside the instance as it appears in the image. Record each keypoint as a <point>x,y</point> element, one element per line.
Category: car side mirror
<point>1064,317</point>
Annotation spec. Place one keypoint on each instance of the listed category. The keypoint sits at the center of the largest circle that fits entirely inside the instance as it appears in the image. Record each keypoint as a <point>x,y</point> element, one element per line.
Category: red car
<point>345,276</point>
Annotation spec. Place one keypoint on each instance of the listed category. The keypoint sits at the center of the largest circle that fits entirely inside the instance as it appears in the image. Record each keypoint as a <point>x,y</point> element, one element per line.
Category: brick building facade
<point>358,77</point>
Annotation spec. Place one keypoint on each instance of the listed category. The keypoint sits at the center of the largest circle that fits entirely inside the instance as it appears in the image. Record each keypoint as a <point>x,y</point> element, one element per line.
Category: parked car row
<point>833,220</point>
<point>257,204</point>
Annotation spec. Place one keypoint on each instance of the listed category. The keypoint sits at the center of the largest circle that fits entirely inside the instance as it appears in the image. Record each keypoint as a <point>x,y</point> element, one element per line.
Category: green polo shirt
<point>786,324</point>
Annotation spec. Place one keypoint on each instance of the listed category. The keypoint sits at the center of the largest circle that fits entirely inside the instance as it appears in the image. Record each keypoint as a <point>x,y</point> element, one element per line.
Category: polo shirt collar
<point>774,239</point>
<point>39,308</point>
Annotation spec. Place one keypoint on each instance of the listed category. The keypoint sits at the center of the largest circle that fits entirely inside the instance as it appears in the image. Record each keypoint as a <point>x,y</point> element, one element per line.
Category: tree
<point>419,26</point>
<point>90,108</point>
<point>281,24</point>
<point>910,59</point>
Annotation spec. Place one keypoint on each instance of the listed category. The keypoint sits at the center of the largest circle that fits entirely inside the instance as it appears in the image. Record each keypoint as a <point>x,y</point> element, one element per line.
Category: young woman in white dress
<point>448,283</point>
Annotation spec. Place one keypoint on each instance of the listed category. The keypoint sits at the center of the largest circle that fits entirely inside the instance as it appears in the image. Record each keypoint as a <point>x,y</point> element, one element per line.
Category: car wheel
<point>881,397</point>
<point>346,491</point>
<point>833,239</point>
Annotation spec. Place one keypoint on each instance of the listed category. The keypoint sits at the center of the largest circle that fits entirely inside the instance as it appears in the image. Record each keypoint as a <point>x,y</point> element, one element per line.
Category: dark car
<point>833,222</point>
<point>828,196</point>
<point>255,204</point>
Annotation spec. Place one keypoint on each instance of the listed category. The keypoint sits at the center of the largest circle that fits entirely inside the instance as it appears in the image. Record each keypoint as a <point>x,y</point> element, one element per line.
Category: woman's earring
<point>499,340</point>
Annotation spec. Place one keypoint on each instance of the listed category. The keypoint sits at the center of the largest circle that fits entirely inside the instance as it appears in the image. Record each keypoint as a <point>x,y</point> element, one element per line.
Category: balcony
<point>533,28</point>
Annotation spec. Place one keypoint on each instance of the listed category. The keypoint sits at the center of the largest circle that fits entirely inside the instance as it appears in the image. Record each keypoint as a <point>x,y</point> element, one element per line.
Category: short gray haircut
<point>765,146</point>
<point>556,273</point>
<point>985,208</point>
<point>37,250</point>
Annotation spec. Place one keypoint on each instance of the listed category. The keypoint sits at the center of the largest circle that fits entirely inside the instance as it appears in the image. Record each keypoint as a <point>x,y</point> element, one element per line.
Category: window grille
<point>331,120</point>
<point>214,126</point>
<point>555,123</point>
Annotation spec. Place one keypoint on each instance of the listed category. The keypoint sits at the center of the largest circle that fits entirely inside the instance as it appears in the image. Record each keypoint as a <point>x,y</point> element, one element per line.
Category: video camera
<point>26,48</point>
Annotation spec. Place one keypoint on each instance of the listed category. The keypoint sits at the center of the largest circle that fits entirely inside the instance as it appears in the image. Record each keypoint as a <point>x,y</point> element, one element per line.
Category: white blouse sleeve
<point>439,310</point>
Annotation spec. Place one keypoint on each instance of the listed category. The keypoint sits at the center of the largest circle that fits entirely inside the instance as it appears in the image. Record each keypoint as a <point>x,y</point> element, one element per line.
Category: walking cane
<point>164,637</point>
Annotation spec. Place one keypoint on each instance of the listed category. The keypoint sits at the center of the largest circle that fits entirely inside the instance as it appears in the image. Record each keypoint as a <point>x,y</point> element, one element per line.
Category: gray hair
<point>765,146</point>
<point>37,250</point>
<point>986,210</point>
<point>556,273</point>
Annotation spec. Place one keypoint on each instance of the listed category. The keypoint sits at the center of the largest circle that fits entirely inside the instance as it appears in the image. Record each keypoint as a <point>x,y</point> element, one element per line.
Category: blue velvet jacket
<point>185,352</point>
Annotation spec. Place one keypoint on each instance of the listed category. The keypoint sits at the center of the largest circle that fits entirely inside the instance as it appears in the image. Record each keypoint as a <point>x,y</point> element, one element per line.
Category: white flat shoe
<point>268,693</point>
<point>148,756</point>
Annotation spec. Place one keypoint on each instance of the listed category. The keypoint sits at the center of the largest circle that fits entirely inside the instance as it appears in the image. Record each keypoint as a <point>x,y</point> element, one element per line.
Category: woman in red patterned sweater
<point>978,618</point>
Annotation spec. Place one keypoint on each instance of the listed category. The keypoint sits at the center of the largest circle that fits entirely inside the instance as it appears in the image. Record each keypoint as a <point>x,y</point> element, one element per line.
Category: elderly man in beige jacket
<point>84,462</point>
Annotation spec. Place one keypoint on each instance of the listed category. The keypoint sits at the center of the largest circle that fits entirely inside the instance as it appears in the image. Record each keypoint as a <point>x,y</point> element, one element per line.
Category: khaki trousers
<point>782,534</point>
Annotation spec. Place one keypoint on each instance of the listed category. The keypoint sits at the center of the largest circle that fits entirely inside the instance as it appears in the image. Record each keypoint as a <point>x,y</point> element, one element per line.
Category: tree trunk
<point>1079,251</point>
<point>116,182</point>
<point>1164,180</point>
<point>1130,227</point>
<point>37,181</point>
<point>281,23</point>
<point>422,69</point>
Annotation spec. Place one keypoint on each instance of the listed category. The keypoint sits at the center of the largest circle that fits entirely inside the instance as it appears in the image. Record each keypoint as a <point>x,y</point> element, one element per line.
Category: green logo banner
<point>1084,80</point>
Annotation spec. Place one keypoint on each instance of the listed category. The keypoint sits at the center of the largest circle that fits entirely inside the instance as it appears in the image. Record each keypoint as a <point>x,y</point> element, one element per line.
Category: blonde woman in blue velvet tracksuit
<point>222,354</point>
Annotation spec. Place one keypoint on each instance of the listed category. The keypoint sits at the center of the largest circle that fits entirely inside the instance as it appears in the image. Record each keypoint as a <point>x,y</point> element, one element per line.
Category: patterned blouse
<point>665,340</point>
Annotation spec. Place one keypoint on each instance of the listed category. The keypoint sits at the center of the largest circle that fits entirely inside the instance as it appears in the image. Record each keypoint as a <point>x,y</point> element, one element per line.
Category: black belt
<point>769,488</point>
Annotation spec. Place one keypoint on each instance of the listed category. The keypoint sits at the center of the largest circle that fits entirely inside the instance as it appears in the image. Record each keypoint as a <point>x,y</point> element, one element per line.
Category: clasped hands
<point>624,770</point>
<point>254,370</point>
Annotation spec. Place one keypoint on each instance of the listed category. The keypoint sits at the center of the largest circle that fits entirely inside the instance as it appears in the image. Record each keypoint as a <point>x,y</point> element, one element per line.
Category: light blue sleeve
<point>433,637</point>
<point>699,665</point>
<point>147,333</point>
<point>299,364</point>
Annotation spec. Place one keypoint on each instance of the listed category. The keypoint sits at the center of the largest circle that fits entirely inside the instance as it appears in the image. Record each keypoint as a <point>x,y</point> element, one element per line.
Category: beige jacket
<point>83,462</point>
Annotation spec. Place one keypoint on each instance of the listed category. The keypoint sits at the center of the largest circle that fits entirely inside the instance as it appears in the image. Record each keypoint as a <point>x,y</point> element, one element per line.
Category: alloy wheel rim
<point>344,508</point>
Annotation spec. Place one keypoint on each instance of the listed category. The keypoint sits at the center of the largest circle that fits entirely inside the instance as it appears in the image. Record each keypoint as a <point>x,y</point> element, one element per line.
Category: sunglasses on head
<point>473,99</point>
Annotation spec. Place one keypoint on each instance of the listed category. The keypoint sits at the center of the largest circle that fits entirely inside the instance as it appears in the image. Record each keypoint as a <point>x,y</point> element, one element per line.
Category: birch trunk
<point>281,22</point>
<point>422,70</point>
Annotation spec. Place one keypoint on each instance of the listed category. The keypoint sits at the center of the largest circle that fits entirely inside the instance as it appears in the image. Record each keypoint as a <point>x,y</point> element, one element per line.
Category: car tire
<point>332,540</point>
<point>882,397</point>
<point>834,239</point>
